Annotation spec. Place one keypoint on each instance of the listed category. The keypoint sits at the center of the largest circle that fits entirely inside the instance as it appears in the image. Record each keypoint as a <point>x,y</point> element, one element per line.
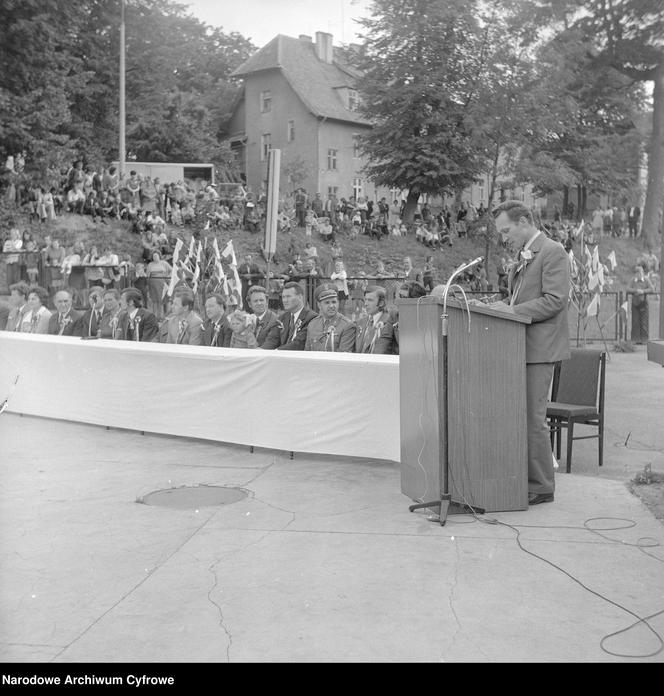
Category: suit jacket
<point>633,213</point>
<point>368,333</point>
<point>87,324</point>
<point>148,327</point>
<point>268,331</point>
<point>222,338</point>
<point>387,342</point>
<point>193,333</point>
<point>318,334</point>
<point>542,295</point>
<point>300,337</point>
<point>71,323</point>
<point>106,323</point>
<point>15,318</point>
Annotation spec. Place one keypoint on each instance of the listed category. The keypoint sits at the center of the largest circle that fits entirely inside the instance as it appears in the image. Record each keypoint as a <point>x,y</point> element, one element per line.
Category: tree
<point>421,61</point>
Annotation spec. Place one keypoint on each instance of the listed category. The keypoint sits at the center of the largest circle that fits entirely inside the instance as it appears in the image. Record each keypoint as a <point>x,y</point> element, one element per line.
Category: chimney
<point>324,46</point>
<point>305,37</point>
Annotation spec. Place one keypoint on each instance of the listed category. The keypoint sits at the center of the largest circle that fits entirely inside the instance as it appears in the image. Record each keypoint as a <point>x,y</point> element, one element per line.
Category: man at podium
<point>538,287</point>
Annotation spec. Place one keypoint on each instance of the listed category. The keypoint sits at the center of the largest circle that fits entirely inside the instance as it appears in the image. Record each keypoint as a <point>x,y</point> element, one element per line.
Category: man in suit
<point>65,320</point>
<point>216,330</point>
<point>633,216</point>
<point>136,323</point>
<point>185,327</point>
<point>268,326</point>
<point>295,319</point>
<point>89,323</point>
<point>330,331</point>
<point>250,274</point>
<point>18,300</point>
<point>539,286</point>
<point>370,327</point>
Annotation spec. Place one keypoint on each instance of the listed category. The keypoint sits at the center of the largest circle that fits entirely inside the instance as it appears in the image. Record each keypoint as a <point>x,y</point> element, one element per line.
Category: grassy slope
<point>360,254</point>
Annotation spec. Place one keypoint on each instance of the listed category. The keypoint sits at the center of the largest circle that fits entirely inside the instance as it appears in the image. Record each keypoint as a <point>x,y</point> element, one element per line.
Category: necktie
<point>368,334</point>
<point>183,328</point>
<point>215,334</point>
<point>293,328</point>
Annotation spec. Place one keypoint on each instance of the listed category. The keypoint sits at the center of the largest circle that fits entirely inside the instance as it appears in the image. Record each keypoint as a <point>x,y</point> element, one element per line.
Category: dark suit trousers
<point>540,457</point>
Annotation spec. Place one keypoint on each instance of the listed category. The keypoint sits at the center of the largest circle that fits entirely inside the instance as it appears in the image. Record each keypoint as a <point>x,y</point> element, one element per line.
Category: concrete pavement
<point>322,561</point>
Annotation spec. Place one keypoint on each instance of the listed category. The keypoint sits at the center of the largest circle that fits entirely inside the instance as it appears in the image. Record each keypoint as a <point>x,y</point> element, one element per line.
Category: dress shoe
<point>537,498</point>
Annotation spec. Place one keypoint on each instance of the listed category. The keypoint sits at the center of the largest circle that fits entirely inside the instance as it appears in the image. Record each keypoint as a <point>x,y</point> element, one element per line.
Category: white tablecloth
<point>326,403</point>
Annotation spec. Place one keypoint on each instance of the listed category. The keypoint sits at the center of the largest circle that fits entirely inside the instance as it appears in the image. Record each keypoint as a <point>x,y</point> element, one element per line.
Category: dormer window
<point>353,100</point>
<point>266,101</point>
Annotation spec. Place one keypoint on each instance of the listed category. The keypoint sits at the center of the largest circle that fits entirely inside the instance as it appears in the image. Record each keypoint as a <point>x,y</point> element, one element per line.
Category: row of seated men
<point>121,315</point>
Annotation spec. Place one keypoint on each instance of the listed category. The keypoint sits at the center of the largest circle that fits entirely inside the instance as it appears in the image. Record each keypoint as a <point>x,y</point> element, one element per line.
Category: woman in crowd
<point>35,320</point>
<point>14,243</point>
<point>243,326</point>
<point>639,285</point>
<point>159,274</point>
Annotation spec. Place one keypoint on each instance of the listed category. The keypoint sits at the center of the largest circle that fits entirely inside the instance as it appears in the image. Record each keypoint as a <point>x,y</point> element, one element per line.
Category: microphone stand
<point>445,496</point>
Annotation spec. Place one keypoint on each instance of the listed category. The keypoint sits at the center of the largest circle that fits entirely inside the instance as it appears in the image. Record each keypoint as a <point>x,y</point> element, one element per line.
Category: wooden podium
<point>487,466</point>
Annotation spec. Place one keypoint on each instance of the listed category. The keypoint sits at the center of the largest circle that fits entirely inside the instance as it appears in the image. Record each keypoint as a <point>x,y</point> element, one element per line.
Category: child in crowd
<point>243,326</point>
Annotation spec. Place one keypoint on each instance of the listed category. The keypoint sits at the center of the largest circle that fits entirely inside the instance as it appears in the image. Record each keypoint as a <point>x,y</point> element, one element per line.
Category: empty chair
<point>577,398</point>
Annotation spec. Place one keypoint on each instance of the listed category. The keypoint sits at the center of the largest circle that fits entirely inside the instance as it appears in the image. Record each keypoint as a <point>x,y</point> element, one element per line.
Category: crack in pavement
<point>136,586</point>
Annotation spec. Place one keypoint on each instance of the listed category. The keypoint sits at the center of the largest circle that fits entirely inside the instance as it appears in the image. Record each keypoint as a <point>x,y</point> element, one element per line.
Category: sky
<point>261,20</point>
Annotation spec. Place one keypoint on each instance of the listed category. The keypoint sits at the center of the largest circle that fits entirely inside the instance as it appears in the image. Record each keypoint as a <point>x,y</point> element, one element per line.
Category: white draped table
<point>324,403</point>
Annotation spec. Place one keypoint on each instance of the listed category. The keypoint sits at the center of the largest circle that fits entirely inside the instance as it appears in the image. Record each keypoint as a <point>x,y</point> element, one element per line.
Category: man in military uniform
<point>330,331</point>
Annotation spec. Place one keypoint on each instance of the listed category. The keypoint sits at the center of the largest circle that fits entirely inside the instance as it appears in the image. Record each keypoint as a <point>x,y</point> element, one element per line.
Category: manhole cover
<point>194,497</point>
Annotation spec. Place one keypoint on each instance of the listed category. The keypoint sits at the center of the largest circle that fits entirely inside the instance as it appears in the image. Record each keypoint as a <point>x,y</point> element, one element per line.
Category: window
<point>353,100</point>
<point>291,131</point>
<point>356,145</point>
<point>481,192</point>
<point>332,190</point>
<point>357,188</point>
<point>332,159</point>
<point>266,101</point>
<point>266,141</point>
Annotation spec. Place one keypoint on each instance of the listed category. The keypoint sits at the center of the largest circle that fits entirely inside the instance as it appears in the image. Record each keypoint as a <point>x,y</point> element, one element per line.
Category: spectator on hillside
<point>159,274</point>
<point>14,243</point>
<point>133,188</point>
<point>339,278</point>
<point>75,200</point>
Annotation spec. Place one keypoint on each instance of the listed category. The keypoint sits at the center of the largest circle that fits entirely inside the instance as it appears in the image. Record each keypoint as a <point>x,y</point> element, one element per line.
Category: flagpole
<point>122,148</point>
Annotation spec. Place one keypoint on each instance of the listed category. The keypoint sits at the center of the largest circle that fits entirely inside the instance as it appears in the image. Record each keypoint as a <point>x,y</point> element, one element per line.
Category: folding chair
<point>577,398</point>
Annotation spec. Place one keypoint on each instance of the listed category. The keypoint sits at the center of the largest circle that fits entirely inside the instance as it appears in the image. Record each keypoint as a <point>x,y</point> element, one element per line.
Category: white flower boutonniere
<point>526,255</point>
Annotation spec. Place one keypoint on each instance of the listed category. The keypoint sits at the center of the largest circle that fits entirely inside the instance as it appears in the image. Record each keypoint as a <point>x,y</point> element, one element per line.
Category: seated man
<point>136,323</point>
<point>89,323</point>
<point>369,328</point>
<point>268,326</point>
<point>216,329</point>
<point>18,301</point>
<point>185,327</point>
<point>295,318</point>
<point>64,321</point>
<point>330,331</point>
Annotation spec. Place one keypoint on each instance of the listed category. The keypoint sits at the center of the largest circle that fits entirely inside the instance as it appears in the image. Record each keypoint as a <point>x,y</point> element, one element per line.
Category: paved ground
<point>322,560</point>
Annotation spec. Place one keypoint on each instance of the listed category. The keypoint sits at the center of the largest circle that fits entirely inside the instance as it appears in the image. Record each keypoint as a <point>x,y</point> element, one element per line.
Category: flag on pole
<point>595,259</point>
<point>593,281</point>
<point>174,270</point>
<point>577,231</point>
<point>593,307</point>
<point>229,251</point>
<point>611,258</point>
<point>625,306</point>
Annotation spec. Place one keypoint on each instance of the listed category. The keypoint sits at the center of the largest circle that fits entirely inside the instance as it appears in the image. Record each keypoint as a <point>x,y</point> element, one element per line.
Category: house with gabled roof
<point>299,96</point>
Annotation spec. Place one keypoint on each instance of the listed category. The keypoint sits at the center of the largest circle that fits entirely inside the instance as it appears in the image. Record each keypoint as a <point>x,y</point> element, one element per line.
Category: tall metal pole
<point>122,147</point>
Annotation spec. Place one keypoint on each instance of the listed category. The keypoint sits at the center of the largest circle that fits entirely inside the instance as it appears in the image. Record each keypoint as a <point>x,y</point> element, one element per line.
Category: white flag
<point>577,231</point>
<point>593,307</point>
<point>625,306</point>
<point>174,273</point>
<point>593,281</point>
<point>595,259</point>
<point>229,251</point>
<point>612,260</point>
